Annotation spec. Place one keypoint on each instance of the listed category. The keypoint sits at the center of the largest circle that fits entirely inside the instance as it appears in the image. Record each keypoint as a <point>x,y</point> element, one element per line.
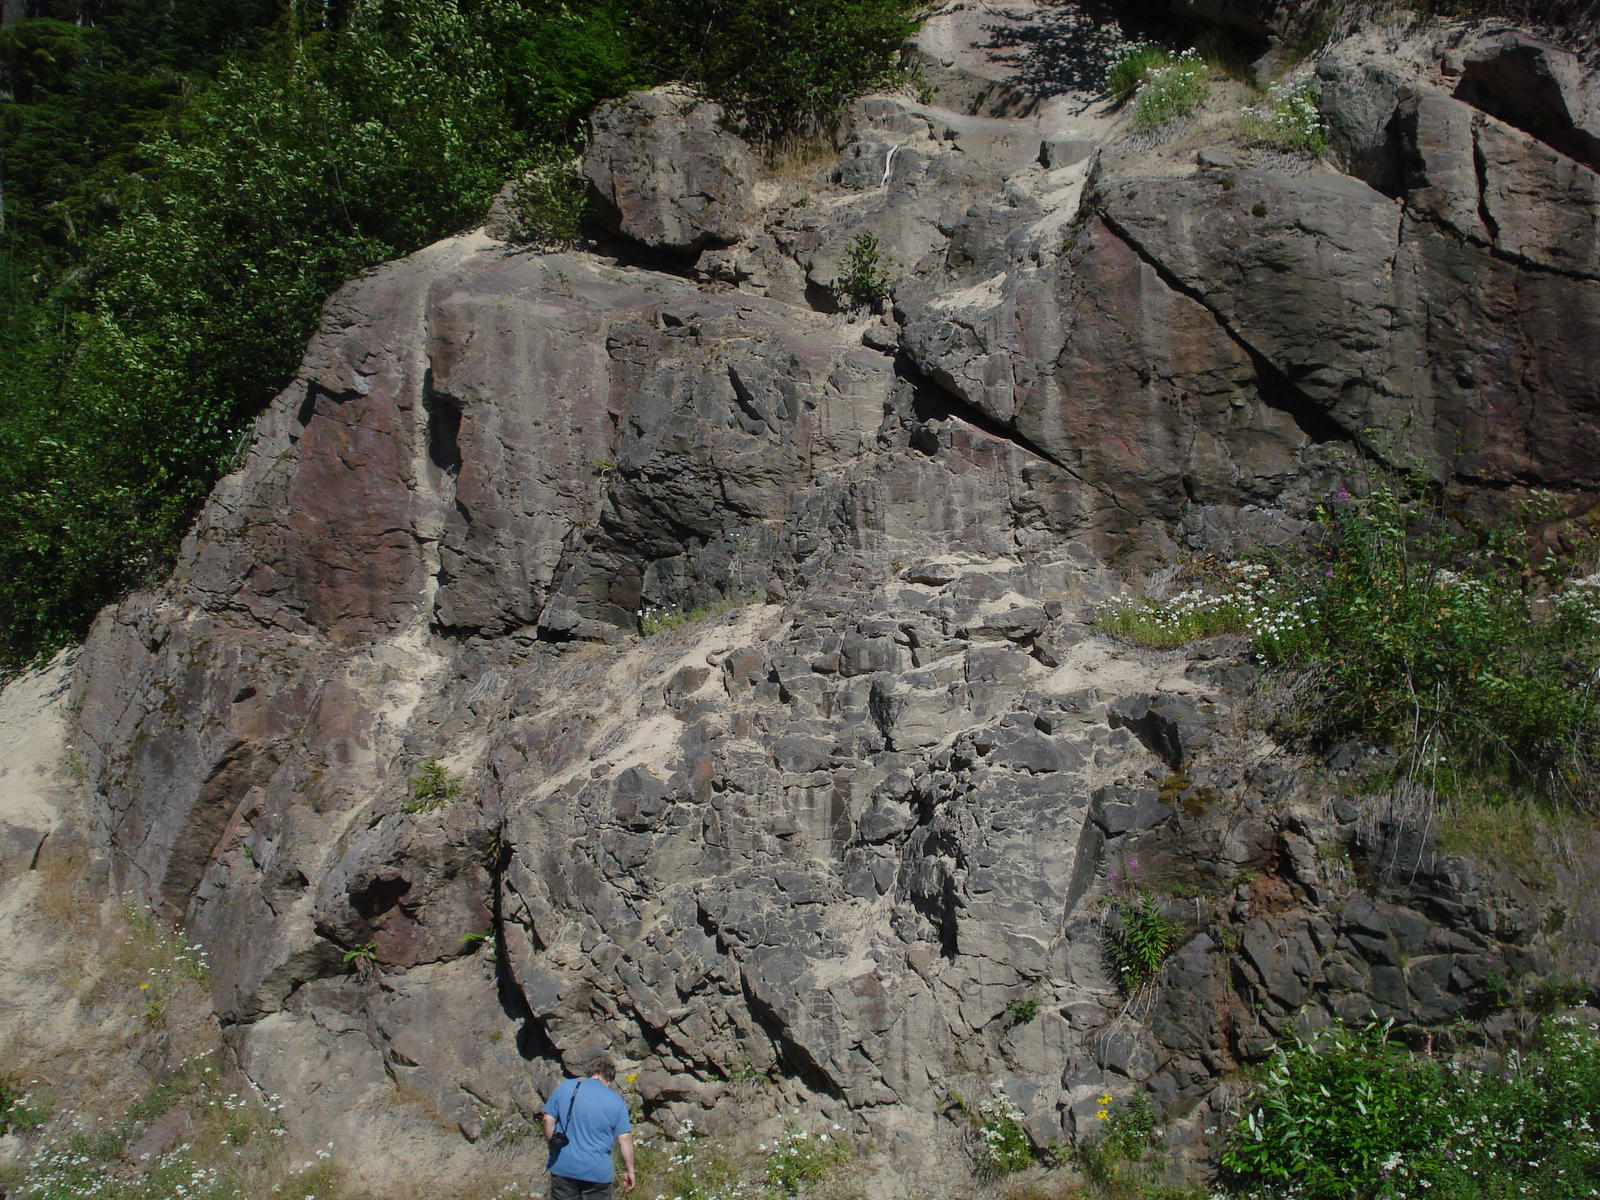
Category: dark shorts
<point>562,1188</point>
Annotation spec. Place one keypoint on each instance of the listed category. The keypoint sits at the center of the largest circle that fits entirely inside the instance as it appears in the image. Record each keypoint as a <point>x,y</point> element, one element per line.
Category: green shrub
<point>1140,938</point>
<point>1292,121</point>
<point>1113,1157</point>
<point>1347,1114</point>
<point>20,1111</point>
<point>782,68</point>
<point>547,203</point>
<point>1132,68</point>
<point>1171,91</point>
<point>432,787</point>
<point>865,282</point>
<point>1162,86</point>
<point>1470,656</point>
<point>1002,1146</point>
<point>1331,1112</point>
<point>797,1159</point>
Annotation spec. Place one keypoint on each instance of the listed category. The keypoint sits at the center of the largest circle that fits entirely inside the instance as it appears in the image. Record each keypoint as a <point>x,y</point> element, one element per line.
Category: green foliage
<point>656,619</point>
<point>1001,1145</point>
<point>865,282</point>
<point>361,956</point>
<point>1347,1114</point>
<point>1331,1111</point>
<point>547,203</point>
<point>432,787</point>
<point>1132,68</point>
<point>797,1159</point>
<point>1023,1011</point>
<point>782,68</point>
<point>1292,121</point>
<point>1112,1160</point>
<point>1162,86</point>
<point>1174,621</point>
<point>283,177</point>
<point>1472,656</point>
<point>20,1110</point>
<point>1140,938</point>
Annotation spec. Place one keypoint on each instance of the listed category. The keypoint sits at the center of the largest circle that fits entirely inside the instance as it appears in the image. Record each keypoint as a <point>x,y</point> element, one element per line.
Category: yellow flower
<point>632,1078</point>
<point>144,987</point>
<point>1104,1100</point>
<point>1102,1114</point>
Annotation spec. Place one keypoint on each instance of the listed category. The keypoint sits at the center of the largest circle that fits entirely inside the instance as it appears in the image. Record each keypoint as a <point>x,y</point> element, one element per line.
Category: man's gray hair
<point>604,1066</point>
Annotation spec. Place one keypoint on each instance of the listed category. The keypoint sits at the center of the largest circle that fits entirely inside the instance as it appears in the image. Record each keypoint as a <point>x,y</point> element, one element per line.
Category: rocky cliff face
<point>841,833</point>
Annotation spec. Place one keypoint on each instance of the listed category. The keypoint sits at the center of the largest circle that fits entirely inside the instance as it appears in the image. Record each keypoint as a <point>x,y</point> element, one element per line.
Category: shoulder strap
<point>571,1100</point>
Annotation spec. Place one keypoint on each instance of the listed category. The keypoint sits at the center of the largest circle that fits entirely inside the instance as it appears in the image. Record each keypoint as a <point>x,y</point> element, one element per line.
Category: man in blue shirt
<point>591,1116</point>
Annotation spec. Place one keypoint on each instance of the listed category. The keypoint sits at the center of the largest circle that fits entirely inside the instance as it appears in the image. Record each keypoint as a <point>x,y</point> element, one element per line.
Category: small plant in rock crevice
<point>865,279</point>
<point>432,787</point>
<point>657,618</point>
<point>1162,86</point>
<point>1023,1011</point>
<point>1113,1159</point>
<point>1290,120</point>
<point>1000,1144</point>
<point>1140,938</point>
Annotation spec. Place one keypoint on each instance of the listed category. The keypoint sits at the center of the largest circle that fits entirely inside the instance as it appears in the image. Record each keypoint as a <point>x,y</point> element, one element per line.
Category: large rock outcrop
<point>836,833</point>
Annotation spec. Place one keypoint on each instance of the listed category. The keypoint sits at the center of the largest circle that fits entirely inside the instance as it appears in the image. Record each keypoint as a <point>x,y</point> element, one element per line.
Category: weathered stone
<point>837,819</point>
<point>667,173</point>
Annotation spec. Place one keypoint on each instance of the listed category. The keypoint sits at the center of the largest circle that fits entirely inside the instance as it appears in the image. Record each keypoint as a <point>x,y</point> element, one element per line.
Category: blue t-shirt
<point>599,1117</point>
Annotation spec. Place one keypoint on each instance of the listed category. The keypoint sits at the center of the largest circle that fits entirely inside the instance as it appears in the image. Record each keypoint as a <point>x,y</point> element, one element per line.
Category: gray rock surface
<point>872,779</point>
<point>666,172</point>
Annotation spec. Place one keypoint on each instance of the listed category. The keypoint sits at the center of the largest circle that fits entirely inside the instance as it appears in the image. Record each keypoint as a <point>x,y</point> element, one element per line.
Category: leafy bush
<point>1471,656</point>
<point>1331,1111</point>
<point>20,1111</point>
<point>1171,91</point>
<point>1292,121</point>
<point>782,68</point>
<point>432,787</point>
<point>798,1158</point>
<point>1132,68</point>
<point>865,282</point>
<point>1002,1145</point>
<point>1140,938</point>
<point>1124,1138</point>
<point>547,203</point>
<point>1348,1114</point>
<point>1162,86</point>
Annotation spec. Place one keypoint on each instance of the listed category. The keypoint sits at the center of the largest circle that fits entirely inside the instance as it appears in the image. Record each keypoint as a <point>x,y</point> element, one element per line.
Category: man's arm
<point>549,1126</point>
<point>625,1144</point>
